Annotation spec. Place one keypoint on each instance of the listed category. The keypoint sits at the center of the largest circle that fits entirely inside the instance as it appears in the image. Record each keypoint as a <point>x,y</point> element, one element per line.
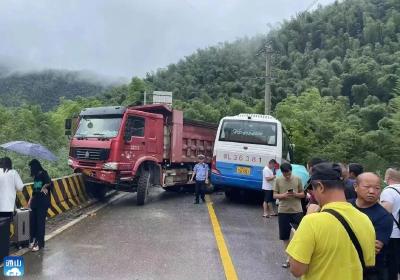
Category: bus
<point>243,146</point>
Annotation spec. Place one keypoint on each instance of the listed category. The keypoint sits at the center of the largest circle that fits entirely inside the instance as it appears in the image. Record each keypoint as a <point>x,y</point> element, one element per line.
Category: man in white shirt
<point>10,183</point>
<point>390,199</point>
<point>268,179</point>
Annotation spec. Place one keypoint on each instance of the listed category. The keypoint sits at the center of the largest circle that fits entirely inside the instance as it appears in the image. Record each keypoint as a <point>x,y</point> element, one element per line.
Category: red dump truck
<point>133,148</point>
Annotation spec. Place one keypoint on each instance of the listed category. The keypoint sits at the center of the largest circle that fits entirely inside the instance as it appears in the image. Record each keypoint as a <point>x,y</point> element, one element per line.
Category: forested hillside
<point>347,49</point>
<point>336,81</point>
<point>45,88</point>
<point>336,86</point>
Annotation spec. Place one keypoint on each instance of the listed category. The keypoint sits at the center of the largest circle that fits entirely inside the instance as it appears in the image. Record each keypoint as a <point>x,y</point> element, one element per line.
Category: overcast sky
<point>123,38</point>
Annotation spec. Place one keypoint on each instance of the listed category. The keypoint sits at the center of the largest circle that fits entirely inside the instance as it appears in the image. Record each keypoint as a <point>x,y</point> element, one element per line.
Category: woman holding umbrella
<point>39,203</point>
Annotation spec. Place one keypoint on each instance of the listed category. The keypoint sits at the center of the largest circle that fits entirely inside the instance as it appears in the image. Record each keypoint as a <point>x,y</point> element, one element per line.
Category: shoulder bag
<point>368,272</point>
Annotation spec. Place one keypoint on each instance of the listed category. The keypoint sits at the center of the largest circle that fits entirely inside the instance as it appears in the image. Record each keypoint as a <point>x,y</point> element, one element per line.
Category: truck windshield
<point>100,127</point>
<point>250,132</point>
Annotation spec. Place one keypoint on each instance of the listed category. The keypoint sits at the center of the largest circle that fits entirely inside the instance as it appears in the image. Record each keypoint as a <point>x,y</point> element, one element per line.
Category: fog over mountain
<point>125,38</point>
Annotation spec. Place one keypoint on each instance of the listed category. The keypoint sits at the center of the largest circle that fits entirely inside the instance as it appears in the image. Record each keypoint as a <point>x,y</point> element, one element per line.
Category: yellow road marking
<point>229,269</point>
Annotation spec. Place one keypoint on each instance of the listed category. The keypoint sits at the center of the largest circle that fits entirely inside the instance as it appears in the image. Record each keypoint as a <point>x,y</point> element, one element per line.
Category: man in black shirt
<point>368,190</point>
<point>355,169</point>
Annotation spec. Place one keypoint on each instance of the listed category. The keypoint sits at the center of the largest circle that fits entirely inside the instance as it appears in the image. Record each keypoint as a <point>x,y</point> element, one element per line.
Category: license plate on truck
<point>87,172</point>
<point>243,170</point>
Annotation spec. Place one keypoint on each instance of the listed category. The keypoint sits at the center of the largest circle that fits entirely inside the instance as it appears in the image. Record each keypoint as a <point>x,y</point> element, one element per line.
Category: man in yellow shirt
<point>321,247</point>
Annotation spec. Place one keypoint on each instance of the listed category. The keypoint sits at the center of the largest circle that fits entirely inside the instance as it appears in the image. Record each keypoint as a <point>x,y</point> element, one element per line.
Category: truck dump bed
<point>183,139</point>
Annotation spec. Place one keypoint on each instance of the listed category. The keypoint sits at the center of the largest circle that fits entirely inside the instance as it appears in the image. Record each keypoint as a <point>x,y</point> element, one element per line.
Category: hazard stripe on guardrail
<point>66,193</point>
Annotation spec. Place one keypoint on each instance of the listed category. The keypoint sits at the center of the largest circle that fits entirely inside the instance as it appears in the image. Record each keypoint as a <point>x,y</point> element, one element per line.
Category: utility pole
<point>144,101</point>
<point>268,78</point>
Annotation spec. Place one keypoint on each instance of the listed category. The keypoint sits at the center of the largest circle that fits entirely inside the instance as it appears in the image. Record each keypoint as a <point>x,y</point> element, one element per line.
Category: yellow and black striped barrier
<point>66,193</point>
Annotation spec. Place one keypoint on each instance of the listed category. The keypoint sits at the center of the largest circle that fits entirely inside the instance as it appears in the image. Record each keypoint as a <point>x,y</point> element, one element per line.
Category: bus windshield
<point>99,126</point>
<point>249,132</point>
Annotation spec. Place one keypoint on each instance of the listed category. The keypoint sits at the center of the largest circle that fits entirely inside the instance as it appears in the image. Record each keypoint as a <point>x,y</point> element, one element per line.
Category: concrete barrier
<point>66,193</point>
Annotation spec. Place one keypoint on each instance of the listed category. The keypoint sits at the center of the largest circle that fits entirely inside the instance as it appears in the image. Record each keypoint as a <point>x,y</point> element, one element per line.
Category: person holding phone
<point>289,190</point>
<point>39,203</point>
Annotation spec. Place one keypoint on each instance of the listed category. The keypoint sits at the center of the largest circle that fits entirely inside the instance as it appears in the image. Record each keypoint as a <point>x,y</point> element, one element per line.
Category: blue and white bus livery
<point>243,146</point>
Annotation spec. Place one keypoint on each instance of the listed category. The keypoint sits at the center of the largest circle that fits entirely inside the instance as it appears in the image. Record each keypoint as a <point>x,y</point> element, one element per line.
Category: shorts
<point>285,221</point>
<point>268,196</point>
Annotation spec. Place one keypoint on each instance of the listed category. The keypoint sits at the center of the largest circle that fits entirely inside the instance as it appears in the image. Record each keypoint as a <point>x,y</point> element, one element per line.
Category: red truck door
<point>143,136</point>
<point>151,136</point>
<point>135,140</point>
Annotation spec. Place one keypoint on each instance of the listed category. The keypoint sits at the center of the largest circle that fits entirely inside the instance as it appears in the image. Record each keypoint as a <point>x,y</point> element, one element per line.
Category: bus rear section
<point>243,147</point>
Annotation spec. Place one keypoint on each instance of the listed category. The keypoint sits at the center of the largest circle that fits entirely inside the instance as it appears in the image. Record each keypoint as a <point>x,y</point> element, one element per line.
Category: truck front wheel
<point>95,190</point>
<point>143,187</point>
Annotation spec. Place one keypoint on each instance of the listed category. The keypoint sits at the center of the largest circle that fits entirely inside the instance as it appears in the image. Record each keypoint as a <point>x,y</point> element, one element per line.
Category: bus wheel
<point>228,194</point>
<point>232,194</point>
<point>143,188</point>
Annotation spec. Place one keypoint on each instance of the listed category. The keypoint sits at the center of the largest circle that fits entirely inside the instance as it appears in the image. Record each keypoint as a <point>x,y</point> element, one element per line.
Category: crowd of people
<point>346,226</point>
<point>39,202</point>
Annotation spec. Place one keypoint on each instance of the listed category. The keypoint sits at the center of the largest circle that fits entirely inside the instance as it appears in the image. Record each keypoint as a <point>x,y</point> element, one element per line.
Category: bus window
<point>286,154</point>
<point>249,132</point>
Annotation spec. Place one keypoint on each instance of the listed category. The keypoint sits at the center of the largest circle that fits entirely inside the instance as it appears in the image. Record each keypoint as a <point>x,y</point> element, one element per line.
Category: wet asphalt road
<point>168,238</point>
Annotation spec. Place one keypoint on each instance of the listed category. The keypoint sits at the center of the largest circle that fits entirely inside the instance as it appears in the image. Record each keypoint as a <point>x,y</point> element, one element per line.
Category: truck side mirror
<point>68,124</point>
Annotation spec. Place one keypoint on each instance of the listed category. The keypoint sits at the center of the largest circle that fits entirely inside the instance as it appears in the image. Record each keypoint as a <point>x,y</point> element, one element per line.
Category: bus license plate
<point>243,170</point>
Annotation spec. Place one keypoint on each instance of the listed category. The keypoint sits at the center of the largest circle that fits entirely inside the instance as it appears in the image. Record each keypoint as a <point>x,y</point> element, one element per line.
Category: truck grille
<point>87,163</point>
<point>90,154</point>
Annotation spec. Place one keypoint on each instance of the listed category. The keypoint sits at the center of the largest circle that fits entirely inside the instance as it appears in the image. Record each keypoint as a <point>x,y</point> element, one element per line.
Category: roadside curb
<point>72,223</point>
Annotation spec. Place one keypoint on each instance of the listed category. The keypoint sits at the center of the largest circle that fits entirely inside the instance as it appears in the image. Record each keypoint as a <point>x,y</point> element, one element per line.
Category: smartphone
<point>290,190</point>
